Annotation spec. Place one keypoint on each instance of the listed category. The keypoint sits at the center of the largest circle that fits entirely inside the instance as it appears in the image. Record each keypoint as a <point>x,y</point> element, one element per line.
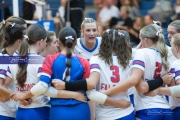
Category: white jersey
<point>149,60</point>
<point>171,57</point>
<point>175,102</point>
<point>8,108</point>
<point>131,90</point>
<point>82,51</point>
<point>32,78</point>
<point>109,77</point>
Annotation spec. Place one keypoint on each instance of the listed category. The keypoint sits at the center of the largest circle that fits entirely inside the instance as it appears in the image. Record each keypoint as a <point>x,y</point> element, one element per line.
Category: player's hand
<point>123,103</point>
<point>167,78</point>
<point>18,96</point>
<point>26,102</point>
<point>79,96</point>
<point>152,93</point>
<point>58,84</point>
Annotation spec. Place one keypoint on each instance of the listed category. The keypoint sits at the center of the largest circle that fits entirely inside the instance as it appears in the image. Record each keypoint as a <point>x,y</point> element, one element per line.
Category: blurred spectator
<point>28,9</point>
<point>61,10</point>
<point>106,13</point>
<point>161,11</point>
<point>76,15</point>
<point>101,29</point>
<point>176,11</point>
<point>41,12</point>
<point>134,31</point>
<point>120,3</point>
<point>99,4</point>
<point>124,22</point>
<point>134,12</point>
<point>7,12</point>
<point>148,19</point>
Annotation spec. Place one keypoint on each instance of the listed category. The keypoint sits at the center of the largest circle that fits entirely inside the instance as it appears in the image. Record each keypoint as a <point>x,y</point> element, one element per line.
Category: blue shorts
<point>6,118</point>
<point>128,117</point>
<point>41,113</point>
<point>154,114</point>
<point>176,113</point>
<point>70,112</point>
<point>132,99</point>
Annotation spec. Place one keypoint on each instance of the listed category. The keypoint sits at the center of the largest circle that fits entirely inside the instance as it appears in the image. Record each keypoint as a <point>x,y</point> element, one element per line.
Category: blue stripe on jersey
<point>172,70</point>
<point>58,68</point>
<point>87,48</point>
<point>177,73</point>
<point>139,62</point>
<point>9,70</point>
<point>154,49</point>
<point>94,66</point>
<point>45,79</point>
<point>3,72</point>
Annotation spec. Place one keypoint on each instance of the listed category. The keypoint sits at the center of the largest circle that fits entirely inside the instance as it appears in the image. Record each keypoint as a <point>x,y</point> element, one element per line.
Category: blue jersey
<point>54,67</point>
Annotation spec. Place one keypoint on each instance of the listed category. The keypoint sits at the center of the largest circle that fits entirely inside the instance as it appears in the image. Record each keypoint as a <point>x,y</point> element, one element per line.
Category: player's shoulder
<point>99,39</point>
<point>176,62</point>
<point>51,57</point>
<point>82,60</point>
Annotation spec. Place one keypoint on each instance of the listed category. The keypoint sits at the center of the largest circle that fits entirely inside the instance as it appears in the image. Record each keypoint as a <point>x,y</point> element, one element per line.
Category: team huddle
<point>91,77</point>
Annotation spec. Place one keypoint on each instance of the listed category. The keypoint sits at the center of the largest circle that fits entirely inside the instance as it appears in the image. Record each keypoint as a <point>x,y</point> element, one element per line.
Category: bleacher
<point>144,5</point>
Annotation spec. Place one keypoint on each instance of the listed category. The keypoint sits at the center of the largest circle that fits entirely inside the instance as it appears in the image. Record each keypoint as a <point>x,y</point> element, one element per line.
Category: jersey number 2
<point>115,72</point>
<point>158,70</point>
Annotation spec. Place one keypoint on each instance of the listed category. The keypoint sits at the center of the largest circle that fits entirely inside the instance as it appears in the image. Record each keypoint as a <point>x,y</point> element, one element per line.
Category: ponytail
<point>163,51</point>
<point>2,24</point>
<point>6,35</point>
<point>68,44</point>
<point>22,71</point>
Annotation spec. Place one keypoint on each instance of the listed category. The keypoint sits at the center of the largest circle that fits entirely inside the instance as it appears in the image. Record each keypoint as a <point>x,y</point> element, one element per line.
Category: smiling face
<point>90,32</point>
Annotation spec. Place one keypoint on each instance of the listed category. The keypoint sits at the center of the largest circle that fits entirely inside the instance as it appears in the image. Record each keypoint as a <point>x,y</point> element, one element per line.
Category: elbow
<point>142,87</point>
<point>91,85</point>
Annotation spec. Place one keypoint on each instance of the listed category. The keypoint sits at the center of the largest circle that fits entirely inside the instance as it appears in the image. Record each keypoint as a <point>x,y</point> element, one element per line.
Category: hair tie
<point>107,30</point>
<point>119,33</point>
<point>13,24</point>
<point>26,37</point>
<point>4,22</point>
<point>69,37</point>
<point>159,31</point>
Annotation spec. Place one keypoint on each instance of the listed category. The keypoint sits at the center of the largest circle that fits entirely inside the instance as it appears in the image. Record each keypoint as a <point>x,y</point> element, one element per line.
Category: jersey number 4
<point>157,70</point>
<point>115,72</point>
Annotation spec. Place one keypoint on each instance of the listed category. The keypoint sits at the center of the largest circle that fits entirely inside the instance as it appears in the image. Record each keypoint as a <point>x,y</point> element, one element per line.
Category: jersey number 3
<point>158,70</point>
<point>115,72</point>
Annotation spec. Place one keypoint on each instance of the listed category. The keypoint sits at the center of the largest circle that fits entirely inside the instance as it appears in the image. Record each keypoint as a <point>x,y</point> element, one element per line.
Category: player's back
<point>54,67</point>
<point>32,78</point>
<point>149,60</point>
<point>109,77</point>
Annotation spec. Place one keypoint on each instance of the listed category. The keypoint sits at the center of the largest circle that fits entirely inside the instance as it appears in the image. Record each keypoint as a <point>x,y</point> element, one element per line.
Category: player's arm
<point>92,94</point>
<point>5,79</point>
<point>3,90</point>
<point>151,85</point>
